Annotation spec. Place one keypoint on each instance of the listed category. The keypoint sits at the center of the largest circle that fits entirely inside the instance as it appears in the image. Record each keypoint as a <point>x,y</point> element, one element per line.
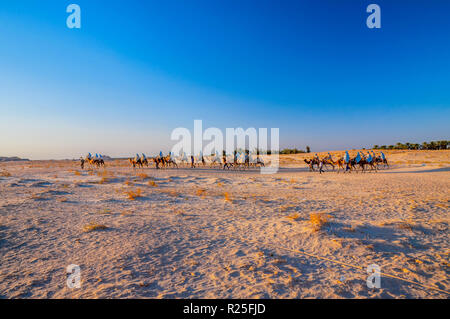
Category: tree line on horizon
<point>433,145</point>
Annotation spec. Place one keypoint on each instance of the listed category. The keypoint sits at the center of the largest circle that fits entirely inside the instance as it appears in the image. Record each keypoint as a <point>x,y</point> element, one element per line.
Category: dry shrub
<point>127,213</point>
<point>294,216</point>
<point>38,197</point>
<point>143,176</point>
<point>5,173</point>
<point>318,220</point>
<point>93,227</point>
<point>227,197</point>
<point>103,180</point>
<point>152,183</point>
<point>132,195</point>
<point>201,192</point>
<point>77,173</point>
<point>172,193</point>
<point>179,212</point>
<point>406,225</point>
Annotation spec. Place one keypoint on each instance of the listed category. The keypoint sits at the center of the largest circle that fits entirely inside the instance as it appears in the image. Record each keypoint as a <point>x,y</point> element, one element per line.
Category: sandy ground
<point>208,233</point>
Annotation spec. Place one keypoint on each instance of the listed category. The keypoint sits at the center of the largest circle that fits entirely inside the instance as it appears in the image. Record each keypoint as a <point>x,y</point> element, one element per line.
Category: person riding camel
<point>358,158</point>
<point>330,157</point>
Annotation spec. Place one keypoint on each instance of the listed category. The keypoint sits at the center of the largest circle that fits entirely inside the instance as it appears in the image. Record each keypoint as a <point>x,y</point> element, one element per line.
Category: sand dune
<point>208,233</point>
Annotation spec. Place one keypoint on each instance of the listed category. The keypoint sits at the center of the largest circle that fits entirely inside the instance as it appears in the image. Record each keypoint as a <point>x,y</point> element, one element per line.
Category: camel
<point>327,161</point>
<point>378,160</point>
<point>170,161</point>
<point>158,161</point>
<point>136,162</point>
<point>340,164</point>
<point>311,163</point>
<point>94,162</point>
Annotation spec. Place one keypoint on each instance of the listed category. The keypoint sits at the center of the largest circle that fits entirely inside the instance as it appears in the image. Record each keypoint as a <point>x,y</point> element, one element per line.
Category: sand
<point>208,233</point>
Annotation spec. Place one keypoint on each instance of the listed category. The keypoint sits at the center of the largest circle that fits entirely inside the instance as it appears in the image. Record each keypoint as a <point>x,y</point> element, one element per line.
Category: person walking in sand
<point>347,161</point>
<point>192,161</point>
<point>224,159</point>
<point>82,162</point>
<point>321,167</point>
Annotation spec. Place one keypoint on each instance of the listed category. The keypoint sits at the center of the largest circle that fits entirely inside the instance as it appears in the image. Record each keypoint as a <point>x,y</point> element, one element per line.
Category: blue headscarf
<point>382,156</point>
<point>358,157</point>
<point>347,157</point>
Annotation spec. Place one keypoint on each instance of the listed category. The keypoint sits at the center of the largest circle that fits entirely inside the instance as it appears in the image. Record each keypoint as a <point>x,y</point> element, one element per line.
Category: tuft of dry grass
<point>77,173</point>
<point>127,213</point>
<point>103,180</point>
<point>5,173</point>
<point>93,227</point>
<point>132,195</point>
<point>152,183</point>
<point>227,197</point>
<point>293,216</point>
<point>179,212</point>
<point>38,196</point>
<point>318,220</point>
<point>201,192</point>
<point>143,176</point>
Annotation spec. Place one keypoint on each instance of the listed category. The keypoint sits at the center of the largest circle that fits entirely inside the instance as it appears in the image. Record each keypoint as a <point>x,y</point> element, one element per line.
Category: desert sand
<point>209,233</point>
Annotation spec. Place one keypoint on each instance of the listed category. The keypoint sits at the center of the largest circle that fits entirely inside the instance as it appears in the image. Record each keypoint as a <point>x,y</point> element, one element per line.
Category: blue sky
<point>138,69</point>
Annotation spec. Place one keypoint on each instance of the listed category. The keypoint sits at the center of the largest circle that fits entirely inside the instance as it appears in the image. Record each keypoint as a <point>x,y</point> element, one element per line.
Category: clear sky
<point>138,69</point>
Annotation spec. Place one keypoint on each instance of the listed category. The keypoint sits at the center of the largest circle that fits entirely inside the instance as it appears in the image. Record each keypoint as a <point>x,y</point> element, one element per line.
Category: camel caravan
<point>240,160</point>
<point>92,161</point>
<point>160,161</point>
<point>361,162</point>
